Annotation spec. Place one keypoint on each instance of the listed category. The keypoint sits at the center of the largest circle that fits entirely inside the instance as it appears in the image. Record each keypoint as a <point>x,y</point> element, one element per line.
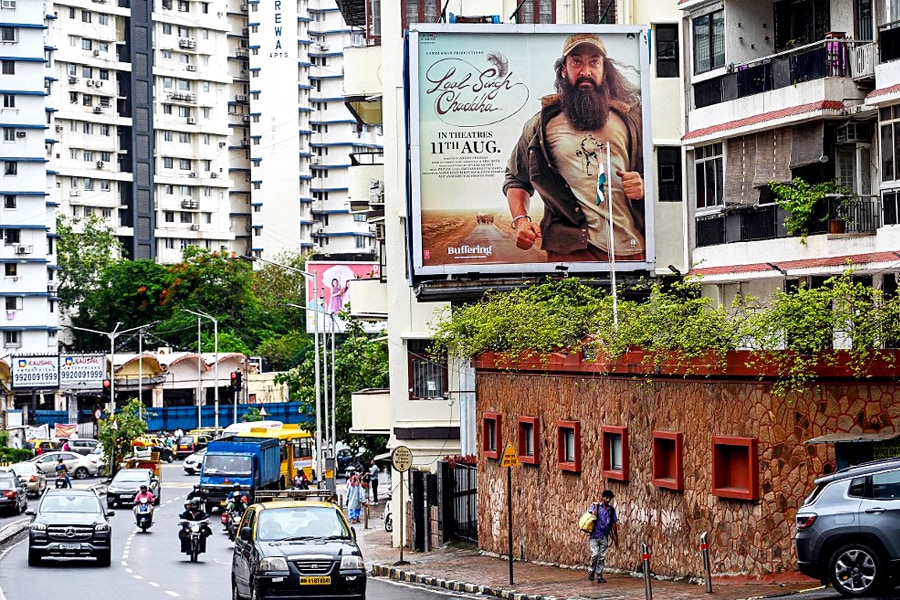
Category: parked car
<point>154,444</point>
<point>345,458</point>
<point>70,523</point>
<point>41,446</point>
<point>127,483</point>
<point>32,478</point>
<point>79,467</point>
<point>192,463</point>
<point>13,497</point>
<point>290,549</point>
<point>848,527</point>
<point>83,446</point>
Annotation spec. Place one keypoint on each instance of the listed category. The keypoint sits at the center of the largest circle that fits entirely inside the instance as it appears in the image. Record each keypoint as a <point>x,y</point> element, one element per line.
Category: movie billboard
<point>334,293</point>
<point>530,149</point>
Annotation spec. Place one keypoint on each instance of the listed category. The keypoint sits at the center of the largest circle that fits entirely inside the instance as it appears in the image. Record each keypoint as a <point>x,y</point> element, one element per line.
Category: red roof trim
<point>883,91</point>
<point>769,116</point>
<point>807,263</point>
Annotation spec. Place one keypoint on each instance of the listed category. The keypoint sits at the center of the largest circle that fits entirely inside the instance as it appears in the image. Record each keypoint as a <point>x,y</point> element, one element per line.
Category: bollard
<point>704,550</point>
<point>645,556</point>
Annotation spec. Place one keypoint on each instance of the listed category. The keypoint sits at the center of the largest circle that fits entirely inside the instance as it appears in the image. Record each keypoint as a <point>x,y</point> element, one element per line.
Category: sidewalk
<point>467,570</point>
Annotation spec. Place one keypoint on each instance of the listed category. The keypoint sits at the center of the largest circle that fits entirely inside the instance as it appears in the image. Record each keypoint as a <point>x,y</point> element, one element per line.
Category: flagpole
<point>612,242</point>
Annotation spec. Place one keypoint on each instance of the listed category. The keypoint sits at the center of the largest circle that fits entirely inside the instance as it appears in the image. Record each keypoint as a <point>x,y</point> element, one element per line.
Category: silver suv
<point>848,529</point>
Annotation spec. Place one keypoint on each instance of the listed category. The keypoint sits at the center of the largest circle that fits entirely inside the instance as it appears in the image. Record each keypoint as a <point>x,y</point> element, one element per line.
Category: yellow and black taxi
<point>297,549</point>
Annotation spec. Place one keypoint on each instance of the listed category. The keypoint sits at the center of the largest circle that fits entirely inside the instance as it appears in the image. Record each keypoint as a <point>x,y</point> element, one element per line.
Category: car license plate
<point>70,546</point>
<point>325,580</point>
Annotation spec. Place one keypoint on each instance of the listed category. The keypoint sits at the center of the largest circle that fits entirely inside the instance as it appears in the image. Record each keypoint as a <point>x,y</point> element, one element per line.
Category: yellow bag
<point>586,522</point>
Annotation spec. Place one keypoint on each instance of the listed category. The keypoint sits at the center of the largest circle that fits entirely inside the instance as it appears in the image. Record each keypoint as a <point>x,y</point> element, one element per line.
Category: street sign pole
<point>401,460</point>
<point>510,459</point>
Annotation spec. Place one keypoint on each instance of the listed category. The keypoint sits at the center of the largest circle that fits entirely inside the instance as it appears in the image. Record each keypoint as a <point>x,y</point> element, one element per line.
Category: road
<point>148,565</point>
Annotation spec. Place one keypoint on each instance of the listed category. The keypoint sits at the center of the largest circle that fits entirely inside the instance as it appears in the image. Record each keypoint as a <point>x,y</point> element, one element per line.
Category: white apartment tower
<point>28,208</point>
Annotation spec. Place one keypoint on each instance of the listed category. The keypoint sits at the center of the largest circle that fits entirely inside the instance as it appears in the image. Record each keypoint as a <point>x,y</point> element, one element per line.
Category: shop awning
<point>844,438</point>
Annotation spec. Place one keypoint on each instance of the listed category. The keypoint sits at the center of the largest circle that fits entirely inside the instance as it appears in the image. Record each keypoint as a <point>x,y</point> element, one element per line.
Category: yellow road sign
<point>510,456</point>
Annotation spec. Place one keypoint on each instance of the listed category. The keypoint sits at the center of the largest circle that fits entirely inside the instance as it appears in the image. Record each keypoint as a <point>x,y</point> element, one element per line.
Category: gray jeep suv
<point>848,529</point>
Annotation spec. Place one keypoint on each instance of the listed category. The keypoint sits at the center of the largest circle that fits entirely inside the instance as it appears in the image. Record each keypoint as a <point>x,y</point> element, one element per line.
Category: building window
<point>12,339</point>
<point>8,67</point>
<point>9,101</point>
<point>427,374</point>
<point>709,175</point>
<point>735,468</point>
<point>668,165</point>
<point>568,446</point>
<point>614,453</point>
<point>490,435</point>
<point>8,35</point>
<point>9,201</point>
<point>10,168</point>
<point>666,50</point>
<point>668,468</point>
<point>709,41</point>
<point>10,270</point>
<point>187,217</point>
<point>528,438</point>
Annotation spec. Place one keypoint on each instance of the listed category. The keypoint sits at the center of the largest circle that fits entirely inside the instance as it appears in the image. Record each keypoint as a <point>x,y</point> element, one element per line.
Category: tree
<point>118,430</point>
<point>84,249</point>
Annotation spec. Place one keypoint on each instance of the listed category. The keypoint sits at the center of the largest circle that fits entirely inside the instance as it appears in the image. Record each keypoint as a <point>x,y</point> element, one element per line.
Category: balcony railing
<point>826,58</point>
<point>859,215</point>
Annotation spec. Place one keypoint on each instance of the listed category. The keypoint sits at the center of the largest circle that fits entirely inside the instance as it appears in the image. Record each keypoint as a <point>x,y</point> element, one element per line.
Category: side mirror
<point>29,511</point>
<point>110,513</point>
<point>245,534</point>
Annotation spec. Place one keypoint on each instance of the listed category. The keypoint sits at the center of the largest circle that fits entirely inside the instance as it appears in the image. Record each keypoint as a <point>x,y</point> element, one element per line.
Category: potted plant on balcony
<point>801,200</point>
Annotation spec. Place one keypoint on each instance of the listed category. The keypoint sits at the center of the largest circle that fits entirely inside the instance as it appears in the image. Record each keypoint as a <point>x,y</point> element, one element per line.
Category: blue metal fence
<point>185,417</point>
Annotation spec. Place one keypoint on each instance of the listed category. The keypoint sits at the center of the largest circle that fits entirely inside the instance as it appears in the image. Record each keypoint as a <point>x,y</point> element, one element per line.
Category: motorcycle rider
<point>144,493</point>
<point>233,497</point>
<point>193,512</point>
<point>62,472</point>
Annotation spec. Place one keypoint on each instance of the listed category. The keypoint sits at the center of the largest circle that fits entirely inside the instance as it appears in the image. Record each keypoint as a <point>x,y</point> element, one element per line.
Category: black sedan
<point>127,483</point>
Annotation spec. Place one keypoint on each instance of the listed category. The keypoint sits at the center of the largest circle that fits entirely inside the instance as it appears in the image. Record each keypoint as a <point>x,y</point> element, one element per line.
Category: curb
<point>381,570</point>
<point>10,531</point>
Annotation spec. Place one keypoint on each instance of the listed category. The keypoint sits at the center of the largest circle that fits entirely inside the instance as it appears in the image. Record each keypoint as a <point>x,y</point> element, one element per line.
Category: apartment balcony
<point>860,215</point>
<point>830,69</point>
<point>362,83</point>
<point>372,412</point>
<point>369,299</point>
<point>365,186</point>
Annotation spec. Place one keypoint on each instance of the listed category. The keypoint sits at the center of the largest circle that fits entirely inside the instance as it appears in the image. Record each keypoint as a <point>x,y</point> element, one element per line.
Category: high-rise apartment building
<point>214,124</point>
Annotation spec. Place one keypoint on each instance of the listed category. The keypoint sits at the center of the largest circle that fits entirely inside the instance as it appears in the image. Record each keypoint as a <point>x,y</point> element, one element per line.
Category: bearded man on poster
<point>562,154</point>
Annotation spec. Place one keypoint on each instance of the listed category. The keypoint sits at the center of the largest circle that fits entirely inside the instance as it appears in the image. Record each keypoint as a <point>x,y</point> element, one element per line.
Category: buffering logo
<point>467,250</point>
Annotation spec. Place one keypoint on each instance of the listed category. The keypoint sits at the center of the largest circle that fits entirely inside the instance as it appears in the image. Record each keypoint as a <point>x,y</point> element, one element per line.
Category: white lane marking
<point>127,570</point>
<point>173,594</point>
<point>153,583</point>
<point>138,576</point>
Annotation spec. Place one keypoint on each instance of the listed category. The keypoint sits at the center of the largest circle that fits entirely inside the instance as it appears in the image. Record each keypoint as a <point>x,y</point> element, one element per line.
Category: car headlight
<point>38,527</point>
<point>274,563</point>
<point>353,562</point>
<point>102,527</point>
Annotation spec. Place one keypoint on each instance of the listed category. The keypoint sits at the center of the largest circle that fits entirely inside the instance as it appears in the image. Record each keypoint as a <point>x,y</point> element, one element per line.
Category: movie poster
<point>333,282</point>
<point>488,116</point>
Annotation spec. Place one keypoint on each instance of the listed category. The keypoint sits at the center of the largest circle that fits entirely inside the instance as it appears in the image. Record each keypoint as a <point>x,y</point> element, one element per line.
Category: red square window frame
<point>616,474</point>
<point>670,483</point>
<point>496,419</point>
<point>564,465</point>
<point>751,490</point>
<point>535,442</point>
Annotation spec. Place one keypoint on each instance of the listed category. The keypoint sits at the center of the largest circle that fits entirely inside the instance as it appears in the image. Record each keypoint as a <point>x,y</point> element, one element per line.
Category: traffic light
<point>236,377</point>
<point>107,384</point>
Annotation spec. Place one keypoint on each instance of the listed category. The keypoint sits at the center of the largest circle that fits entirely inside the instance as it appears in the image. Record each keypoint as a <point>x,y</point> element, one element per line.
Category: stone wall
<point>753,538</point>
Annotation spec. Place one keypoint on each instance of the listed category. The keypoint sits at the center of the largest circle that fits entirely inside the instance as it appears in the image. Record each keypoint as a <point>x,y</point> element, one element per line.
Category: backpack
<point>586,522</point>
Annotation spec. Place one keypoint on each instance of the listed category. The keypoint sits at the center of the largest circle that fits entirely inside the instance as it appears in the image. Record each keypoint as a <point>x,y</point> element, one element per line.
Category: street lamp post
<point>112,335</point>
<point>314,278</point>
<point>200,313</point>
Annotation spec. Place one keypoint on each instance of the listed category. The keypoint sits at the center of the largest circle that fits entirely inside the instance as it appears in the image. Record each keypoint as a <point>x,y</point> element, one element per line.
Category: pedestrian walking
<point>354,499</point>
<point>604,532</point>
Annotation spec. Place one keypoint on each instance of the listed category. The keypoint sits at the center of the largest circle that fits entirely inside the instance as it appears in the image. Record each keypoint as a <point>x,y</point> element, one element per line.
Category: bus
<point>296,449</point>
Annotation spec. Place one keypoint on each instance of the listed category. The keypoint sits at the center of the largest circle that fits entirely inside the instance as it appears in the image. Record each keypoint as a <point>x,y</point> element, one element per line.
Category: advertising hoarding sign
<point>29,372</point>
<point>549,124</point>
<point>86,371</point>
<point>334,293</point>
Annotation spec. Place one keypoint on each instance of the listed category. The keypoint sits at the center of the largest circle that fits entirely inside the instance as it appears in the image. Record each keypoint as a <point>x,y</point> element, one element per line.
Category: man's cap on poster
<point>583,39</point>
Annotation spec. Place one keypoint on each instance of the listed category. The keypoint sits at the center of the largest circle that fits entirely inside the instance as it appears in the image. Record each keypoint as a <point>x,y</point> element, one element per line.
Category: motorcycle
<point>196,543</point>
<point>143,514</point>
<point>61,481</point>
<point>388,517</point>
<point>354,468</point>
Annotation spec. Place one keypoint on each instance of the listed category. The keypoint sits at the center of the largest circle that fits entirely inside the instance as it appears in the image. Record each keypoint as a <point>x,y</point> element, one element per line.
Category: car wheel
<point>34,558</point>
<point>104,559</point>
<point>855,570</point>
<point>170,459</point>
<point>81,473</point>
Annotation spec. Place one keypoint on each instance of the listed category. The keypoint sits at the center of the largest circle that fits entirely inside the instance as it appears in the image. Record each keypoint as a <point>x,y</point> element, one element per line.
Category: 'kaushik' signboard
<point>523,141</point>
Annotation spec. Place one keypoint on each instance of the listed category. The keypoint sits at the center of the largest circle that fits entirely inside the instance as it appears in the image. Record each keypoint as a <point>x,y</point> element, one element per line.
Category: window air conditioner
<point>98,110</point>
<point>20,134</point>
<point>96,53</point>
<point>73,80</point>
<point>191,120</point>
<point>100,164</point>
<point>195,227</point>
<point>23,250</point>
<point>191,67</point>
<point>98,83</point>
<point>214,175</point>
<point>853,132</point>
<point>8,4</point>
<point>90,83</point>
<point>192,174</point>
<point>240,98</point>
<point>59,128</point>
<point>222,144</point>
<point>74,192</point>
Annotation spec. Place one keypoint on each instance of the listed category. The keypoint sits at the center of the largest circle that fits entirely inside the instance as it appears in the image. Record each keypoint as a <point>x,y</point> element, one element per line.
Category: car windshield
<point>70,504</point>
<point>228,464</point>
<point>130,477</point>
<point>186,441</point>
<point>298,523</point>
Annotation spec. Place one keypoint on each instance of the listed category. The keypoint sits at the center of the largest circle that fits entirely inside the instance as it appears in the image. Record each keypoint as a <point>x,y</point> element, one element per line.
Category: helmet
<point>194,503</point>
<point>143,487</point>
<point>196,486</point>
<point>237,486</point>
